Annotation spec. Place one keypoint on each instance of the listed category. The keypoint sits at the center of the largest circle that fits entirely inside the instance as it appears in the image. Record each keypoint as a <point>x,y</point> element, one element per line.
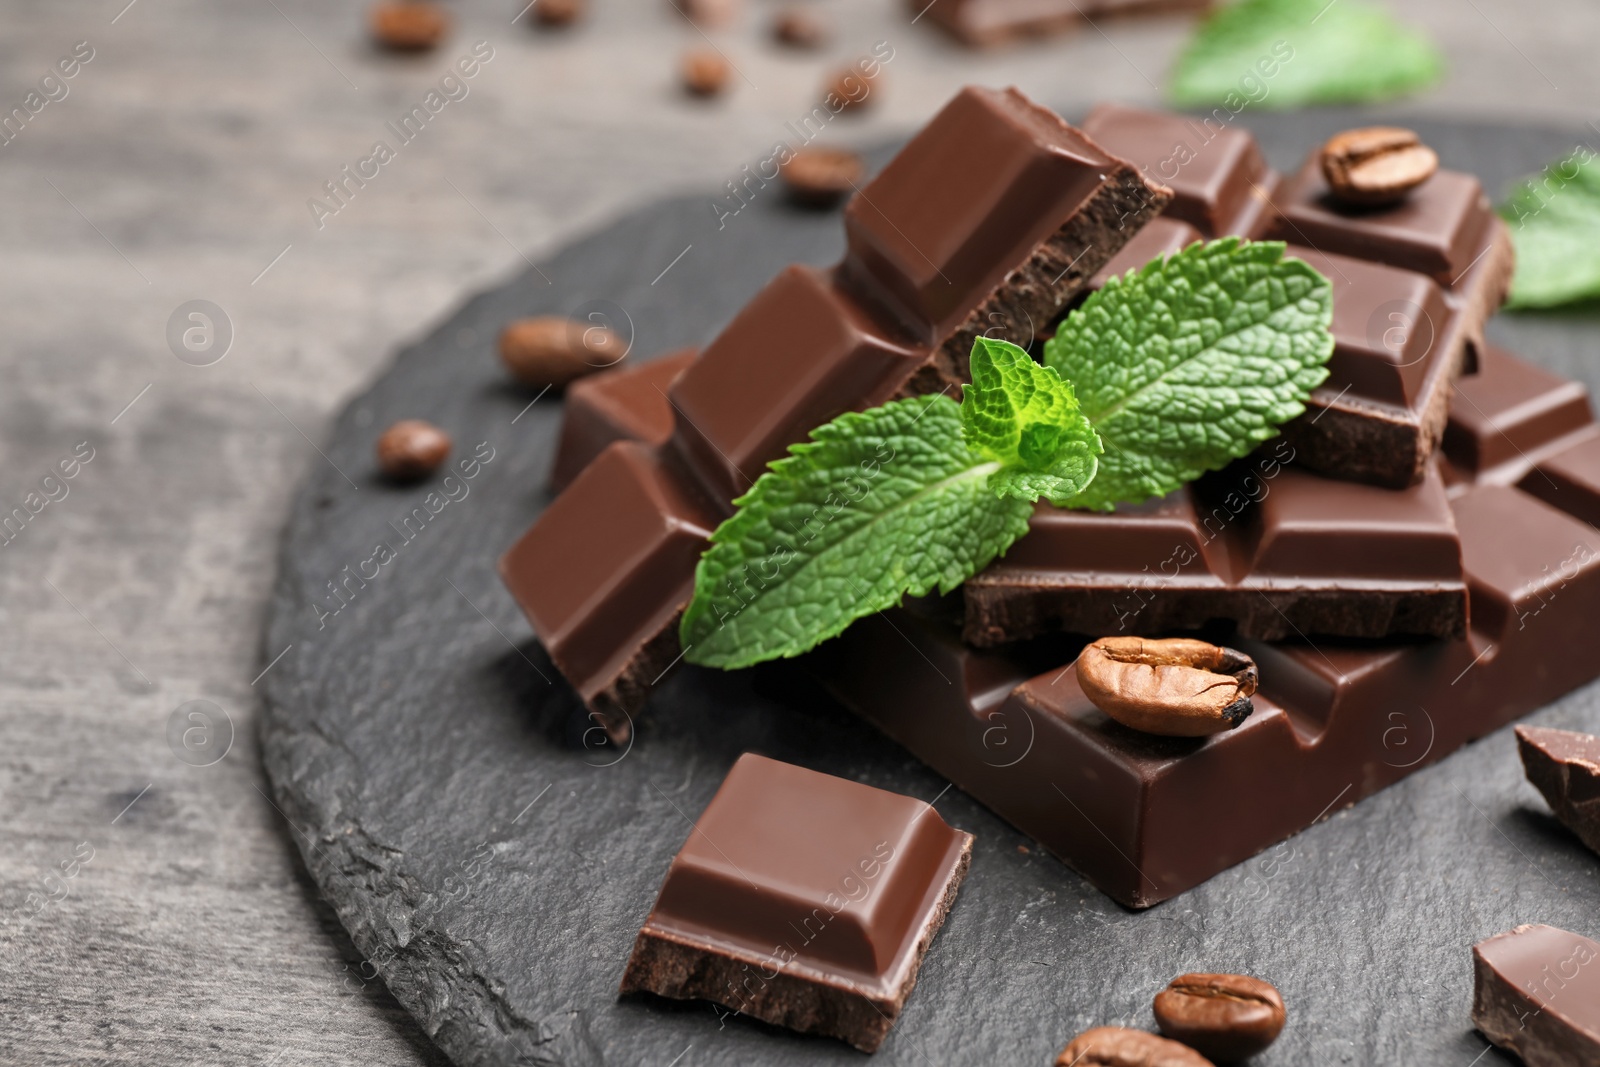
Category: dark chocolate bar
<point>984,23</point>
<point>625,404</point>
<point>1333,722</point>
<point>1413,283</point>
<point>1279,551</point>
<point>1536,993</point>
<point>939,251</point>
<point>803,900</point>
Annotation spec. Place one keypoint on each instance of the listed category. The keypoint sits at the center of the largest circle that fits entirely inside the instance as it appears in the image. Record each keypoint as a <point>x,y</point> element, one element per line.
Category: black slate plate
<point>495,868</point>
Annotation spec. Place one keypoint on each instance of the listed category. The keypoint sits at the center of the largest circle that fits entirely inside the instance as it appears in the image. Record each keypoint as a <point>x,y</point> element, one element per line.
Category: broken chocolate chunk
<point>1537,993</point>
<point>1565,767</point>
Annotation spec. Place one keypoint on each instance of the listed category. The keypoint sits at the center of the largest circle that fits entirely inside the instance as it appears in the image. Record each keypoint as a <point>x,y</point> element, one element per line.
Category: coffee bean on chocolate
<point>412,449</point>
<point>799,28</point>
<point>1376,164</point>
<point>1174,686</point>
<point>557,13</point>
<point>705,72</point>
<point>550,350</point>
<point>408,25</point>
<point>1116,1046</point>
<point>1224,1017</point>
<point>821,176</point>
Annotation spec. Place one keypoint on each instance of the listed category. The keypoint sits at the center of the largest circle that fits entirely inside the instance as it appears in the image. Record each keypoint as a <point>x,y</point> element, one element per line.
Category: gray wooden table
<point>152,908</point>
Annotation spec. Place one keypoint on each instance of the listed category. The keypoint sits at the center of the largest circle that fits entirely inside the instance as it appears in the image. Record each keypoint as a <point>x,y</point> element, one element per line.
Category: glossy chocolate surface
<point>626,404</point>
<point>1506,415</point>
<point>1537,993</point>
<point>1564,766</point>
<point>1333,722</point>
<point>799,354</point>
<point>822,880</point>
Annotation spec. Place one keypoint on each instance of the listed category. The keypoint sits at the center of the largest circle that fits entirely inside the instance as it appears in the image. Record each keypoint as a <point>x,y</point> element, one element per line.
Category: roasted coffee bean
<point>848,89</point>
<point>821,176</point>
<point>556,13</point>
<point>1376,164</point>
<point>1225,1017</point>
<point>708,13</point>
<point>798,28</point>
<point>409,25</point>
<point>550,350</point>
<point>1116,1046</point>
<point>1174,686</point>
<point>412,449</point>
<point>705,73</point>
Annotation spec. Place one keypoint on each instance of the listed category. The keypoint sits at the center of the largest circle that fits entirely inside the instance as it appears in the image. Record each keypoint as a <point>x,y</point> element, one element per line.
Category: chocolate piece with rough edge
<point>949,250</point>
<point>803,900</point>
<point>1279,551</point>
<point>1002,237</point>
<point>626,404</point>
<point>1536,992</point>
<point>986,23</point>
<point>1161,236</point>
<point>1564,766</point>
<point>582,583</point>
<point>1334,722</point>
<point>819,354</point>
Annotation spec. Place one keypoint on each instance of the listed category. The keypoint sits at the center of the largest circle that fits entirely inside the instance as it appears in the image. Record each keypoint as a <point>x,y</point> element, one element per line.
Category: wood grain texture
<point>179,167</point>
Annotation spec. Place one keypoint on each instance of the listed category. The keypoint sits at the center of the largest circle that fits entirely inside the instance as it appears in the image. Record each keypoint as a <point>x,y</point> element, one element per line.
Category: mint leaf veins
<point>1290,53</point>
<point>1178,368</point>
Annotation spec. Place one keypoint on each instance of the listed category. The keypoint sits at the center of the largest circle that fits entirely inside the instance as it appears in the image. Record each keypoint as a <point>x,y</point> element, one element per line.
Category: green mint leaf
<point>1026,418</point>
<point>1555,223</point>
<point>1192,361</point>
<point>1290,53</point>
<point>877,505</point>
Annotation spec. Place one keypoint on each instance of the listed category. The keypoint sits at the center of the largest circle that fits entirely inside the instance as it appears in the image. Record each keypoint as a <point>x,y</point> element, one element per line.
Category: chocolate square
<point>626,404</point>
<point>803,900</point>
<point>1506,414</point>
<point>799,354</point>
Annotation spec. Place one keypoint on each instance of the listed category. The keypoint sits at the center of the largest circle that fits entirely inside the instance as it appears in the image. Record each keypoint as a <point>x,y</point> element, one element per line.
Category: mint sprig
<point>1178,367</point>
<point>1277,54</point>
<point>1555,224</point>
<point>1192,361</point>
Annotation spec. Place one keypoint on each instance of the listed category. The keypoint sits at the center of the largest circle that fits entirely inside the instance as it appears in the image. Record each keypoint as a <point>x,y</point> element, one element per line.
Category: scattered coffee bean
<point>705,73</point>
<point>550,350</point>
<point>799,28</point>
<point>821,176</point>
<point>1376,164</point>
<point>412,449</point>
<point>849,89</point>
<point>1174,686</point>
<point>1225,1017</point>
<point>558,13</point>
<point>708,13</point>
<point>1116,1046</point>
<point>409,25</point>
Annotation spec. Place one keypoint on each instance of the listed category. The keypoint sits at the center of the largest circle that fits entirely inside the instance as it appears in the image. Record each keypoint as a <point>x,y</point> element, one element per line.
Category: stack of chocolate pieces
<point>1410,563</point>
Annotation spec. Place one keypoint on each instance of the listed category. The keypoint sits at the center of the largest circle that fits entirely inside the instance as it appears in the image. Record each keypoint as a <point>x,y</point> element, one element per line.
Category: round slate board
<point>494,867</point>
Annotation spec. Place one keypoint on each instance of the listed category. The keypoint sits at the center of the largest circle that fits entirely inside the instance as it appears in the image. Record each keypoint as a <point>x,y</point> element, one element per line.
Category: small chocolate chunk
<point>1224,1017</point>
<point>558,13</point>
<point>799,28</point>
<point>1176,686</point>
<point>550,350</point>
<point>1117,1046</point>
<point>705,72</point>
<point>412,449</point>
<point>1565,767</point>
<point>408,25</point>
<point>1536,992</point>
<point>1376,164</point>
<point>821,177</point>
